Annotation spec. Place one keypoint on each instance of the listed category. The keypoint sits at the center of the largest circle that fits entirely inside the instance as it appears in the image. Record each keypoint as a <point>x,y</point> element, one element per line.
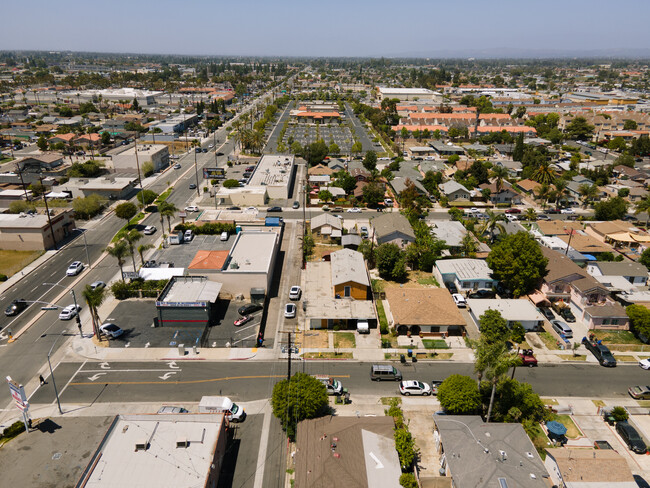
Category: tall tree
<point>370,161</point>
<point>126,211</point>
<point>544,174</point>
<point>131,238</point>
<point>94,298</point>
<point>119,251</point>
<point>518,151</point>
<point>168,210</point>
<point>142,248</point>
<point>302,397</point>
<point>518,262</point>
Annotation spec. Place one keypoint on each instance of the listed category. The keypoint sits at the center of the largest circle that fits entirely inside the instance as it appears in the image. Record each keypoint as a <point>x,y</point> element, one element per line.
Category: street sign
<point>130,275</point>
<point>17,393</point>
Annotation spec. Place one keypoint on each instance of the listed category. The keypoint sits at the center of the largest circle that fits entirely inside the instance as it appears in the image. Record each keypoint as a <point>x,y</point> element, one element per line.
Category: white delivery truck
<point>176,238</point>
<point>221,404</point>
<point>363,327</point>
<point>333,386</point>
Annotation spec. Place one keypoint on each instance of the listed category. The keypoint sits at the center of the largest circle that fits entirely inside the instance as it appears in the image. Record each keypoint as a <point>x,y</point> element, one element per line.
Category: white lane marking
<point>96,376</point>
<point>166,376</point>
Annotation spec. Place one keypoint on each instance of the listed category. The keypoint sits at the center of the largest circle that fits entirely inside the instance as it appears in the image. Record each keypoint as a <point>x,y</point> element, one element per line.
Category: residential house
<point>454,191</point>
<point>400,183</point>
<point>430,311</point>
<point>506,194</point>
<point>392,228</point>
<point>528,186</point>
<point>336,165</point>
<point>344,452</point>
<point>319,180</point>
<point>619,234</point>
<point>586,245</point>
<point>88,140</point>
<point>349,275</point>
<point>351,241</point>
<point>446,149</point>
<point>67,139</point>
<point>451,232</point>
<point>320,169</point>
<point>511,309</point>
<point>557,227</point>
<point>588,468</point>
<point>467,274</point>
<point>514,167</point>
<point>635,273</point>
<point>475,454</point>
<point>360,174</point>
<point>326,225</point>
<point>43,162</point>
<point>589,299</point>
<point>626,173</point>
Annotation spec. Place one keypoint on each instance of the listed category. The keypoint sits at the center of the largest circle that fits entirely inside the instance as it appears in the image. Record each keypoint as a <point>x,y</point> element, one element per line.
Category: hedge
<point>150,289</point>
<point>209,228</point>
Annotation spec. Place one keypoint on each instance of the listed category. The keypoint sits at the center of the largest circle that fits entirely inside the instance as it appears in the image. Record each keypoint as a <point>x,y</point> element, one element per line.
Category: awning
<point>590,257</point>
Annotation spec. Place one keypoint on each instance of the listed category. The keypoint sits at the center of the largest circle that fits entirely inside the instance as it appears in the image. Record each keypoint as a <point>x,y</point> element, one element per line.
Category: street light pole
<point>86,245</point>
<point>56,391</point>
<point>196,173</point>
<point>76,307</point>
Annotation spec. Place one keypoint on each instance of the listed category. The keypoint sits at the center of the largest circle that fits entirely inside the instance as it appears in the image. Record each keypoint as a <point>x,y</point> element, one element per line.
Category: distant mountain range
<point>525,53</point>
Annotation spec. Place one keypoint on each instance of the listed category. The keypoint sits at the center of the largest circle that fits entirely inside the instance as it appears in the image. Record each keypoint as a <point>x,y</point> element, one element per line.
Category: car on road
<point>274,209</point>
<point>15,307</point>
<point>289,311</point>
<point>97,285</point>
<point>353,210</point>
<point>243,320</point>
<point>251,209</point>
<point>210,146</point>
<point>191,208</point>
<point>459,300</point>
<point>562,328</point>
<point>482,294</point>
<point>513,211</point>
<point>204,150</point>
<point>249,308</point>
<point>435,384</point>
<point>172,409</point>
<point>547,312</point>
<point>413,387</point>
<point>69,312</point>
<point>567,211</point>
<point>295,292</point>
<point>631,437</point>
<point>639,392</point>
<point>511,217</point>
<point>75,268</point>
<point>543,217</point>
<point>192,186</point>
<point>110,329</point>
<point>177,166</point>
<point>148,230</point>
<point>295,205</point>
<point>644,364</point>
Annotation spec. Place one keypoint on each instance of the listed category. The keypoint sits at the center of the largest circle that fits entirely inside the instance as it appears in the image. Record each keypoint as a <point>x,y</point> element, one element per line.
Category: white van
<point>363,327</point>
<point>224,236</point>
<point>189,235</point>
<point>333,386</point>
<point>221,404</point>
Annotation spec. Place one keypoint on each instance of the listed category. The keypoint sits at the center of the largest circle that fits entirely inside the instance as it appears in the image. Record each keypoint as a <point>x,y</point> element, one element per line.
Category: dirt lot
<point>316,339</point>
<point>13,261</point>
<point>416,279</point>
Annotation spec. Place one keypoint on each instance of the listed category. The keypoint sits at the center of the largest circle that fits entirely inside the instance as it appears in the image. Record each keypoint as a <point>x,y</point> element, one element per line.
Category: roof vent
<point>503,455</point>
<point>530,454</point>
<point>182,443</point>
<point>141,445</point>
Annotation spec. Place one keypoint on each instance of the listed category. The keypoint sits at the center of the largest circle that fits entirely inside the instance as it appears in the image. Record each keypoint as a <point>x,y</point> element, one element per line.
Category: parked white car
<point>289,311</point>
<point>109,329</point>
<point>413,387</point>
<point>459,300</point>
<point>569,211</point>
<point>294,293</point>
<point>69,312</point>
<point>191,208</point>
<point>148,230</point>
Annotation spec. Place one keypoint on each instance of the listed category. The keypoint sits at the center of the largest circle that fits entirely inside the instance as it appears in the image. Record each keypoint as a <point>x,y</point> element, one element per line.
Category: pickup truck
<point>527,358</point>
<point>601,352</point>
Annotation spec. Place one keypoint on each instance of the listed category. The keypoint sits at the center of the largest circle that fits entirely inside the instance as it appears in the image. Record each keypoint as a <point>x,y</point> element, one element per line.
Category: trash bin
<point>414,359</point>
<point>410,352</point>
<point>402,359</point>
<point>181,349</point>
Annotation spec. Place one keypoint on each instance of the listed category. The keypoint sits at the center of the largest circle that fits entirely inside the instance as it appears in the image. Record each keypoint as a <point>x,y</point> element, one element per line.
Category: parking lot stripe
<point>187,382</point>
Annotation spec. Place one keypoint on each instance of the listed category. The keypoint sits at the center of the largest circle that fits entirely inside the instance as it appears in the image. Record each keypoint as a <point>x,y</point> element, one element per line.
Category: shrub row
<point>209,228</point>
<point>149,289</point>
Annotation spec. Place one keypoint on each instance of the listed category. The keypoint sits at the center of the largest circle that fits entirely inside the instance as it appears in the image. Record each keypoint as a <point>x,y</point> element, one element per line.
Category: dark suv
<point>631,437</point>
<point>482,294</point>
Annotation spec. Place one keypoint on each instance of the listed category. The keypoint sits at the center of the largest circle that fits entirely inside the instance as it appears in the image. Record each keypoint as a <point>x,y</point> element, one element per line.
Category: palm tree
<point>643,206</point>
<point>542,193</point>
<point>131,238</point>
<point>544,174</point>
<point>493,361</point>
<point>168,210</point>
<point>494,222</point>
<point>561,190</point>
<point>499,173</point>
<point>142,248</point>
<point>588,193</point>
<point>468,245</point>
<point>94,298</point>
<point>531,215</point>
<point>119,251</point>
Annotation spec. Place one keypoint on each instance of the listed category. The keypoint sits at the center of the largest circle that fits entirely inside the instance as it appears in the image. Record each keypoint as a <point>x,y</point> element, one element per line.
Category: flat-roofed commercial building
<point>32,232</point>
<point>415,94</point>
<point>275,173</point>
<point>156,154</point>
<point>159,450</point>
<point>110,187</point>
<point>188,301</point>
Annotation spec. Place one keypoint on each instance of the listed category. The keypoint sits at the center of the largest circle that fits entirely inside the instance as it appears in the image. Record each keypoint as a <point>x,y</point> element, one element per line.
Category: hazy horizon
<point>337,29</point>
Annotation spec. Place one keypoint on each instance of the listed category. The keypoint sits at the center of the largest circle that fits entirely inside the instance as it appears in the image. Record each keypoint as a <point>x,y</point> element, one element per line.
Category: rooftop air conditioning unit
<point>182,443</point>
<point>141,445</point>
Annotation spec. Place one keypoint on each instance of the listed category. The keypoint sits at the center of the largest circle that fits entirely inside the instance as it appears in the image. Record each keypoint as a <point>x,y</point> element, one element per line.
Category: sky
<point>350,28</point>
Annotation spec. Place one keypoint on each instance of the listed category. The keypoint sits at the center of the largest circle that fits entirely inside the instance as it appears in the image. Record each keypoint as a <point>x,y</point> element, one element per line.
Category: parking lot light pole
<point>76,307</point>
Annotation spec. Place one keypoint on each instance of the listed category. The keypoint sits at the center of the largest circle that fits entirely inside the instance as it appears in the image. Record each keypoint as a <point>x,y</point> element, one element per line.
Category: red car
<point>528,358</point>
<point>243,320</point>
<point>513,211</point>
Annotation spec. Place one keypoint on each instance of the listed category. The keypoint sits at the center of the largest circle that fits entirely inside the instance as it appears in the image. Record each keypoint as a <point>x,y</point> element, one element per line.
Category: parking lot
<point>181,255</point>
<point>305,134</point>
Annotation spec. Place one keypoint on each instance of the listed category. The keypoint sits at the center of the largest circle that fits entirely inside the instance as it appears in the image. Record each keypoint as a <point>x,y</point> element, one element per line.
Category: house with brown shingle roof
<point>431,311</point>
<point>586,468</point>
<point>590,300</point>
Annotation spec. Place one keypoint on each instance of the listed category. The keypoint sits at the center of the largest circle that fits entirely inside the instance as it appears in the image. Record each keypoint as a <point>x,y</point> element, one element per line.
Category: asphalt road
<point>177,381</point>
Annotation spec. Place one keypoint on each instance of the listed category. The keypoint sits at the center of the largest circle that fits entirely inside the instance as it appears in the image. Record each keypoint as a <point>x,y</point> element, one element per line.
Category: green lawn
<point>617,337</point>
<point>163,196</point>
<point>344,339</point>
<point>428,281</point>
<point>549,340</point>
<point>435,344</point>
<point>383,322</point>
<point>540,441</point>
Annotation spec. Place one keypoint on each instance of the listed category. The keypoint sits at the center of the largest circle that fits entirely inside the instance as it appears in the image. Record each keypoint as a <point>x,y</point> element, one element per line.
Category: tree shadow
<point>47,426</point>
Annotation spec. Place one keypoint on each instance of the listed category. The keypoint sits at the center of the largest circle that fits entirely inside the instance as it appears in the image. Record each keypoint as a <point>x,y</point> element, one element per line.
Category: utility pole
<point>137,163</point>
<point>47,211</point>
<point>289,357</point>
<point>22,182</point>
